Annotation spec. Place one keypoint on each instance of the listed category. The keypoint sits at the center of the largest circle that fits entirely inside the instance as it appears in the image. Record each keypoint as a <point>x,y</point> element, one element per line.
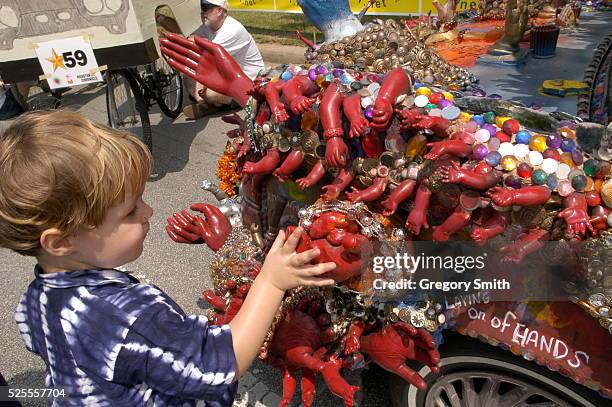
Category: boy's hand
<point>286,269</point>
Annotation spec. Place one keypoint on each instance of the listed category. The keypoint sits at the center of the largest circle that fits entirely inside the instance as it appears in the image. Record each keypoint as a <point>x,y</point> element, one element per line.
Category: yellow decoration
<point>500,120</point>
<point>423,91</point>
<point>465,117</point>
<point>567,132</point>
<point>448,96</point>
<point>509,163</point>
<point>566,158</point>
<point>416,146</point>
<point>309,120</point>
<point>538,143</point>
<point>56,60</point>
<point>590,185</point>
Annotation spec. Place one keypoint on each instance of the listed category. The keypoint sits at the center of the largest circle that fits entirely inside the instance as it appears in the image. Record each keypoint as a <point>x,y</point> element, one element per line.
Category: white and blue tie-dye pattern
<point>111,341</point>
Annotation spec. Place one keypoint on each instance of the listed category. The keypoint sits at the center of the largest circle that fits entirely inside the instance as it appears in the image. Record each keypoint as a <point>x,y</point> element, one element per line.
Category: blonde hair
<point>60,170</point>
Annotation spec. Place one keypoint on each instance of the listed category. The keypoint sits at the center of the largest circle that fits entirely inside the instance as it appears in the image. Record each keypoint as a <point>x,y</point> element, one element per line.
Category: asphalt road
<point>186,153</point>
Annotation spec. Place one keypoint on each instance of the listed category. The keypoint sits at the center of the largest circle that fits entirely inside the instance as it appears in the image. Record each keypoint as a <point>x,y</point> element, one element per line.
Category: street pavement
<point>185,153</point>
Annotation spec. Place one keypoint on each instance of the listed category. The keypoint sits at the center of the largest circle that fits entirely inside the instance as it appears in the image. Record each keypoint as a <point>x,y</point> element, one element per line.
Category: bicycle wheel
<point>125,105</point>
<point>168,87</point>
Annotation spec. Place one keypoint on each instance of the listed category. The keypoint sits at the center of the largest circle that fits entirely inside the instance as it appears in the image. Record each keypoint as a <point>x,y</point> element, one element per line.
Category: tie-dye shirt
<point>111,341</point>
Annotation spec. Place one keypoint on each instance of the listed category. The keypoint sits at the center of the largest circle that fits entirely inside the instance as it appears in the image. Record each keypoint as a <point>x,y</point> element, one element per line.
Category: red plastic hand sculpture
<point>418,216</point>
<point>371,193</point>
<point>292,162</point>
<point>456,148</point>
<point>316,173</point>
<point>526,196</point>
<point>213,229</point>
<point>208,63</point>
<point>399,195</point>
<point>226,310</point>
<point>331,119</point>
<point>352,111</point>
<point>395,343</point>
<point>333,190</point>
<point>297,92</point>
<point>266,165</point>
<point>296,341</point>
<point>576,215</point>
<point>271,91</point>
<point>396,83</point>
<point>481,178</point>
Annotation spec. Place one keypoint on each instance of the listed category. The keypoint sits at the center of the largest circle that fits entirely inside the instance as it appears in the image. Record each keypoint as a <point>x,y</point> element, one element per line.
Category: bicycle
<point>130,92</point>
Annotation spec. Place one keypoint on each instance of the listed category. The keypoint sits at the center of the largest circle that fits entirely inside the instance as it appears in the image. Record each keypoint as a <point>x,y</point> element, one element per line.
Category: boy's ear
<point>53,242</point>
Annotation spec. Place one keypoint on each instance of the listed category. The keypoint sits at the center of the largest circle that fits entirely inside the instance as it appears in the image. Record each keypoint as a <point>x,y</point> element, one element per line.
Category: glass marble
<point>480,151</point>
<point>591,167</point>
<point>523,137</point>
<point>564,188</point>
<point>521,150</point>
<point>579,182</point>
<point>513,181</point>
<point>538,143</point>
<point>551,153</point>
<point>535,158</point>
<point>563,171</point>
<point>482,135</point>
<point>550,165</point>
<point>551,181</point>
<point>493,158</point>
<point>489,117</point>
<point>554,141</point>
<point>568,145</point>
<point>524,170</point>
<point>423,91</point>
<point>506,149</point>
<point>539,177</point>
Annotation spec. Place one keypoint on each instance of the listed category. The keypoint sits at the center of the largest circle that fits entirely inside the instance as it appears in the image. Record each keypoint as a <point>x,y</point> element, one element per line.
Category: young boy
<point>71,195</point>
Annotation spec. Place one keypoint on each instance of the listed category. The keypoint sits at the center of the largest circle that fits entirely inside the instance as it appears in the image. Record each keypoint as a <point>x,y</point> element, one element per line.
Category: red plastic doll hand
<point>577,220</point>
<point>183,229</point>
<point>208,63</point>
<point>391,346</point>
<point>382,114</point>
<point>264,166</point>
<point>396,83</point>
<point>333,190</point>
<point>301,104</point>
<point>453,174</point>
<point>214,228</point>
<point>336,152</point>
<point>399,195</point>
<point>352,110</point>
<point>407,118</point>
<point>436,124</point>
<point>314,176</point>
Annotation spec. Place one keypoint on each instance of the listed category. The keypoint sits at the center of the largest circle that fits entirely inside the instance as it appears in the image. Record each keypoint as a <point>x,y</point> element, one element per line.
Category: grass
<point>279,28</point>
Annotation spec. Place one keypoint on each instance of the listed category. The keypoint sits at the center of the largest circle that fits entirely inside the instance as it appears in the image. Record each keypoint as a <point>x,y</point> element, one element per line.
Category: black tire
<point>126,107</point>
<point>169,92</point>
<point>475,364</point>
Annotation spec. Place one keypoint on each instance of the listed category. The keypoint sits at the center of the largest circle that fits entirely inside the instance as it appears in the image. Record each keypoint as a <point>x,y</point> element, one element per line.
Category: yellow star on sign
<point>56,60</point>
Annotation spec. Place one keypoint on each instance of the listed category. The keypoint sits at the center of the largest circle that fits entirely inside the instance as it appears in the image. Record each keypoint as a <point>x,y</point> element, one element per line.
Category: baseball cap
<point>219,3</point>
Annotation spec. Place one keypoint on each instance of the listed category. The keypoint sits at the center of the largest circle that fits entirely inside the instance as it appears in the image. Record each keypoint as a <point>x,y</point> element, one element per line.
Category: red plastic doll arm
<point>370,193</point>
<point>471,179</point>
<point>292,162</point>
<point>331,119</point>
<point>527,196</point>
<point>418,216</point>
<point>456,148</point>
<point>266,165</point>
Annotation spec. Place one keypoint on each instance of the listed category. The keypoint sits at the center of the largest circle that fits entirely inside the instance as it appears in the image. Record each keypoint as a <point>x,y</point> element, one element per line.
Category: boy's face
<point>119,239</point>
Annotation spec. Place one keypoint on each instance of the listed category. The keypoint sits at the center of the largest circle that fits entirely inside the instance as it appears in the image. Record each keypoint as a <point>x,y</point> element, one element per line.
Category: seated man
<point>230,34</point>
